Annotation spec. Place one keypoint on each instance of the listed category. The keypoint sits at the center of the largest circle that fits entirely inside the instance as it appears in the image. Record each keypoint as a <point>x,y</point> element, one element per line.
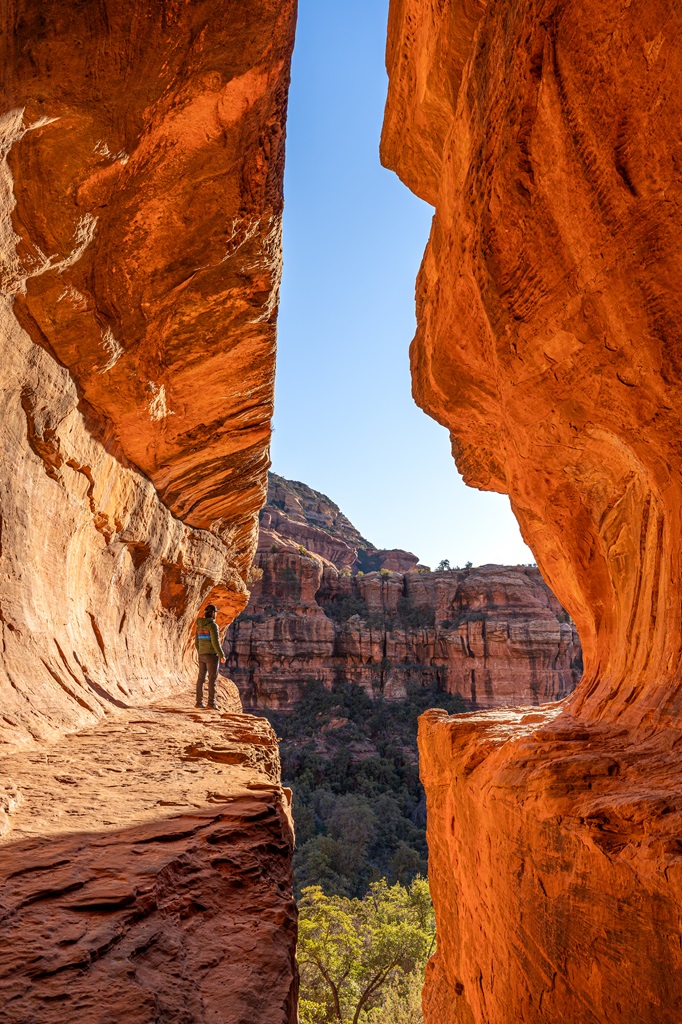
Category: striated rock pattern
<point>145,851</point>
<point>296,516</point>
<point>495,635</point>
<point>547,135</point>
<point>141,158</point>
<point>147,874</point>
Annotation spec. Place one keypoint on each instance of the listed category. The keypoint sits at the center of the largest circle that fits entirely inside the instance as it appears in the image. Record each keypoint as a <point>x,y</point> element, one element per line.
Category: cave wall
<point>141,150</point>
<point>145,846</point>
<point>547,136</point>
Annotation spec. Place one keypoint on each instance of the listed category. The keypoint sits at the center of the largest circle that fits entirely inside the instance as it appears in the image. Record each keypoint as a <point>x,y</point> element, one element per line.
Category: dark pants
<point>207,663</point>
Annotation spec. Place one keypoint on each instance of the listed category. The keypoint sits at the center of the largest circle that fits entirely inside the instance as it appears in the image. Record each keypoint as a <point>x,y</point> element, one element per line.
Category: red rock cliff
<point>547,136</point>
<point>495,635</point>
<point>145,849</point>
<point>141,178</point>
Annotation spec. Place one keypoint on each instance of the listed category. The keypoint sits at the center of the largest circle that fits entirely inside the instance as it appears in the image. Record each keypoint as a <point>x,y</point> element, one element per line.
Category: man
<point>210,651</point>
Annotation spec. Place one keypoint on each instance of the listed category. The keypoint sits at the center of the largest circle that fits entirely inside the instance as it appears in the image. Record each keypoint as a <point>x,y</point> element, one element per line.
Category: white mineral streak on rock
<point>112,347</point>
<point>76,297</point>
<point>102,149</point>
<point>242,231</point>
<point>270,259</point>
<point>83,235</point>
<point>158,408</point>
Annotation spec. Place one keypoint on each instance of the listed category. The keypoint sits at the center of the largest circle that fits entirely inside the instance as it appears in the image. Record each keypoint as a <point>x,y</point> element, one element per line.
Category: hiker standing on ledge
<point>210,653</point>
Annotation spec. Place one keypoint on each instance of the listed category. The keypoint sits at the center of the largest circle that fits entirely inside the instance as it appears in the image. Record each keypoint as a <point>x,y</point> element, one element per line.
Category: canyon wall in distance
<point>327,605</point>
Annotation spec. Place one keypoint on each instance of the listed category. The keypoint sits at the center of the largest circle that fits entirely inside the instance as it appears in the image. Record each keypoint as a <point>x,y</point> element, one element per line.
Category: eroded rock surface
<point>297,516</point>
<point>495,635</point>
<point>146,874</point>
<point>141,150</point>
<point>547,136</point>
<point>146,850</point>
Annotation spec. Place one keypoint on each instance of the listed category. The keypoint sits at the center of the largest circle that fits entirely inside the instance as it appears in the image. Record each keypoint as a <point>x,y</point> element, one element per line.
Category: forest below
<point>351,761</point>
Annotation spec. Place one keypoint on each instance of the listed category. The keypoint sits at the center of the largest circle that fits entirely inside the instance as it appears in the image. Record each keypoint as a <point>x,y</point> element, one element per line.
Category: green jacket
<point>207,639</point>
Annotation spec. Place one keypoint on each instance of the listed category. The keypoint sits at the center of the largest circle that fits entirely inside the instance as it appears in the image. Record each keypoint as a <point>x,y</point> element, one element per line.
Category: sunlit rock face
<point>141,195</point>
<point>495,635</point>
<point>547,136</point>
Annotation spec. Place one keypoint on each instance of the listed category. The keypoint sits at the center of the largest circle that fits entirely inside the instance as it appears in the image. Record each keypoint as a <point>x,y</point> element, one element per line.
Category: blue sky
<point>345,421</point>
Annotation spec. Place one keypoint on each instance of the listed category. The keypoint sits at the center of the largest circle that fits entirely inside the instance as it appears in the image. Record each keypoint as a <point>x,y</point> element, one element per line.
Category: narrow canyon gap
<point>547,136</point>
<point>145,851</point>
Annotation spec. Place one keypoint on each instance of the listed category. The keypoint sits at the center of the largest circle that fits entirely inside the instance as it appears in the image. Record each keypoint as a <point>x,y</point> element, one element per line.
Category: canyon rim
<point>326,605</point>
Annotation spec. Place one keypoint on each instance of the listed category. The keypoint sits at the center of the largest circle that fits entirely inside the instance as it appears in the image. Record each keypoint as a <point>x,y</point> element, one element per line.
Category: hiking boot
<point>212,704</point>
<point>199,704</point>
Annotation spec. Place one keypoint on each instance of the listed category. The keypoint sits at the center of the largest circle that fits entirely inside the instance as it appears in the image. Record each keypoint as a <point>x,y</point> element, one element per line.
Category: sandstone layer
<point>145,852</point>
<point>146,874</point>
<point>141,157</point>
<point>495,635</point>
<point>547,136</point>
<point>297,516</point>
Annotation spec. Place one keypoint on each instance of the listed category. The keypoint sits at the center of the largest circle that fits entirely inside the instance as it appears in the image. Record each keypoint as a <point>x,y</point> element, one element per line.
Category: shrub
<point>287,585</point>
<point>345,608</point>
<point>415,616</point>
<point>385,573</point>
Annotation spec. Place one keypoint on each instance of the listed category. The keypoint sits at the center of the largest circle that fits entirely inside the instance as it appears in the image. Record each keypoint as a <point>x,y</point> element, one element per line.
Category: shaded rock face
<point>495,635</point>
<point>167,898</point>
<point>140,208</point>
<point>145,851</point>
<point>547,137</point>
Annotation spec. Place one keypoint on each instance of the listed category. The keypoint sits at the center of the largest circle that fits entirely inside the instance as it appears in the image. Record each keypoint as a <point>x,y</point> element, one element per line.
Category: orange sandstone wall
<point>548,138</point>
<point>145,847</point>
<point>141,149</point>
<point>495,635</point>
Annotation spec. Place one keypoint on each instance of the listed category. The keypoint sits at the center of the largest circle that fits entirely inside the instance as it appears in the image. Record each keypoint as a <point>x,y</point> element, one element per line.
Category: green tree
<point>401,1002</point>
<point>352,951</point>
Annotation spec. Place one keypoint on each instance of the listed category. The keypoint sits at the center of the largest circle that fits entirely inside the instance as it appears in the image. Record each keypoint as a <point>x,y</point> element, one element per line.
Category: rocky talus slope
<point>495,635</point>
<point>141,163</point>
<point>547,136</point>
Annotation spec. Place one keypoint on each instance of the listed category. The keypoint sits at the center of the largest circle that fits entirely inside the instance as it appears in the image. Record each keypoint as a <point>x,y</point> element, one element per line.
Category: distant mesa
<point>297,515</point>
<point>327,605</point>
